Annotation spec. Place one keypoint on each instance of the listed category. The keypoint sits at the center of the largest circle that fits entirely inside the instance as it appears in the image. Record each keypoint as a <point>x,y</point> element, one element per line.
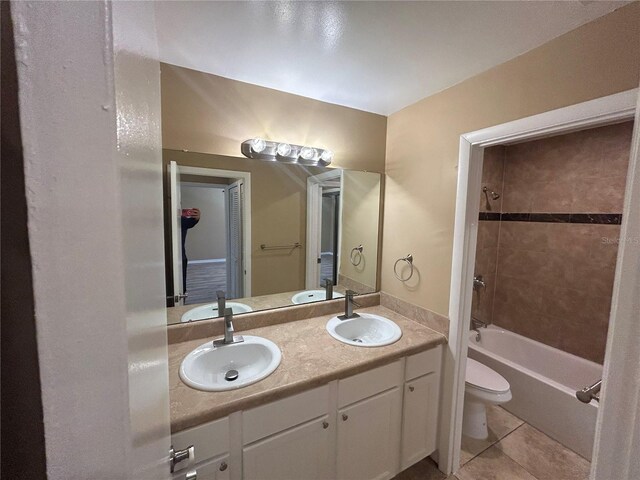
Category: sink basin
<point>211,368</point>
<point>368,330</point>
<point>309,296</point>
<point>210,310</point>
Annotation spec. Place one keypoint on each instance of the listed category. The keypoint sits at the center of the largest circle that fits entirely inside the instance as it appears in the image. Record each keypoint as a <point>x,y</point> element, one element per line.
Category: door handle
<point>177,456</point>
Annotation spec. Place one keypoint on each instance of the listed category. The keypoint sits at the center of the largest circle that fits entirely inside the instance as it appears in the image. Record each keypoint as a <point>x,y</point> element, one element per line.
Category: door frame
<point>246,212</point>
<point>601,111</point>
<point>227,213</point>
<point>173,170</point>
<point>314,223</point>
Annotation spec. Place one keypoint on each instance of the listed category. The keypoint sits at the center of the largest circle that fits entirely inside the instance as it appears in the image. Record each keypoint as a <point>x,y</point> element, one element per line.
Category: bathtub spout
<point>476,325</point>
<point>478,336</point>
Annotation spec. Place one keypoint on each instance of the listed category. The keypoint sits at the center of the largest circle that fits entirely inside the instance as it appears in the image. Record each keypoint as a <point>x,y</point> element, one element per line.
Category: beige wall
<point>360,211</point>
<point>278,216</point>
<point>208,239</point>
<point>597,59</point>
<point>211,114</point>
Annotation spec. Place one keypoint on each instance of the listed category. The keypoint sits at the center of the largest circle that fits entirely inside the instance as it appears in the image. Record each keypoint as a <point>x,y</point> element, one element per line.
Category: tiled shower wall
<point>550,277</point>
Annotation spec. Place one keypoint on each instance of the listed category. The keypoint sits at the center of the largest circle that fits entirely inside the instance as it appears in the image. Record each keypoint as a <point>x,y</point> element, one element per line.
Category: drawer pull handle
<point>325,425</point>
<point>345,417</point>
<point>411,388</point>
<point>223,466</point>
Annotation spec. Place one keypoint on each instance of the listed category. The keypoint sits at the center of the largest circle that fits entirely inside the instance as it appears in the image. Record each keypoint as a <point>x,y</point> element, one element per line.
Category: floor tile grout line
<point>513,459</point>
<point>494,443</point>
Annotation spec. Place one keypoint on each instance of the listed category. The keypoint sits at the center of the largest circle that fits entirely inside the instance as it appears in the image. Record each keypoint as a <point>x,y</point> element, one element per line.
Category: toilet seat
<point>483,378</point>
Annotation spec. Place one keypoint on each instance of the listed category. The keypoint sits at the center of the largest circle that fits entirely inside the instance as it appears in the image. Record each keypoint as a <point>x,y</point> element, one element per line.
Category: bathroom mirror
<point>265,234</point>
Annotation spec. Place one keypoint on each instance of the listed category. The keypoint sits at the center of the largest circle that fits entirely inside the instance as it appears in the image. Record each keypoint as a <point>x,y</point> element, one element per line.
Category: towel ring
<point>358,256</point>
<point>409,260</point>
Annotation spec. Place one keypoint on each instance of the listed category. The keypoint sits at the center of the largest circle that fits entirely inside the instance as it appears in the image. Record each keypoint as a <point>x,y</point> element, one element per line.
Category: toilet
<point>483,386</point>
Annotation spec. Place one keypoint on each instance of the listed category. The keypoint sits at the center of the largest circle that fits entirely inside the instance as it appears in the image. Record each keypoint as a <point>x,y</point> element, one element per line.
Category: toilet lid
<point>484,378</point>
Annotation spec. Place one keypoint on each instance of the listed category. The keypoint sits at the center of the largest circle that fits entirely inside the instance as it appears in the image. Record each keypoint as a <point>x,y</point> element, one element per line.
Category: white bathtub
<point>543,383</point>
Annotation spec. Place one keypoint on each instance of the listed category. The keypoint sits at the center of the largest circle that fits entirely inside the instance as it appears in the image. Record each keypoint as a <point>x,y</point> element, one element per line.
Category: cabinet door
<point>419,419</point>
<point>217,469</point>
<point>369,438</point>
<point>300,452</point>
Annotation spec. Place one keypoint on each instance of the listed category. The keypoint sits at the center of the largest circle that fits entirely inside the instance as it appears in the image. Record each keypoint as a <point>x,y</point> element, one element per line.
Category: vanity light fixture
<point>285,152</point>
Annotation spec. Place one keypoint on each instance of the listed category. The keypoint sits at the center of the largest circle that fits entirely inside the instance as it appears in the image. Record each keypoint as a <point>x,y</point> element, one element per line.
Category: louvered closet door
<point>235,269</point>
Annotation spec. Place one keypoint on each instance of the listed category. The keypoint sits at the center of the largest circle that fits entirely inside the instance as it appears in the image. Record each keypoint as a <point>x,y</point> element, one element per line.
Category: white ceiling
<point>374,56</point>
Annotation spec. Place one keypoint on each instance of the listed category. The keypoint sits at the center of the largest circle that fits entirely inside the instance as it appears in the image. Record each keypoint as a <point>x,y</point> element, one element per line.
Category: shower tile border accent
<point>588,218</point>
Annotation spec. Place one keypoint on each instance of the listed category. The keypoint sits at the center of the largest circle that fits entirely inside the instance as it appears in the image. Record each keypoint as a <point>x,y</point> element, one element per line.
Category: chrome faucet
<point>228,338</point>
<point>348,306</point>
<point>476,325</point>
<point>222,303</point>
<point>328,287</point>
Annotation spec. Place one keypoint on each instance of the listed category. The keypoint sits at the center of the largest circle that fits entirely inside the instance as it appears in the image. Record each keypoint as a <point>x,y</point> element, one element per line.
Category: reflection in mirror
<point>257,234</point>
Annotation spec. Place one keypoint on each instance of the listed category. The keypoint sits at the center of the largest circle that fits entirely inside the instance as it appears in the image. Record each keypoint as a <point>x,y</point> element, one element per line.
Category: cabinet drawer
<point>217,469</point>
<point>209,440</point>
<point>423,363</point>
<point>277,416</point>
<point>369,383</point>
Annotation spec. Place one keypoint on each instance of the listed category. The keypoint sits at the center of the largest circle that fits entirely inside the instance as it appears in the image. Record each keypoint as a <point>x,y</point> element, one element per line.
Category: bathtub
<point>543,382</point>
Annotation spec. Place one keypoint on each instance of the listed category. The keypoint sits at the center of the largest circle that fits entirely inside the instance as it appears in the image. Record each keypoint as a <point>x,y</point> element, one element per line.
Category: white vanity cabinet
<point>368,426</point>
<point>216,469</point>
<point>301,452</point>
<point>420,406</point>
<point>211,451</point>
<point>290,439</point>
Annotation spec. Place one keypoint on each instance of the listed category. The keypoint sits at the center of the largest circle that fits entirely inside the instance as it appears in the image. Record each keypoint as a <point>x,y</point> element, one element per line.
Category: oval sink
<point>217,368</point>
<point>210,310</point>
<point>367,330</point>
<point>309,296</point>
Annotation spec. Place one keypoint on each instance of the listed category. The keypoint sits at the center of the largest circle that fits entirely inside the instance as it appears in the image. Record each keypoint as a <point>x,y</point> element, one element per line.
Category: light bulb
<point>258,145</point>
<point>308,153</point>
<point>327,156</point>
<point>284,149</point>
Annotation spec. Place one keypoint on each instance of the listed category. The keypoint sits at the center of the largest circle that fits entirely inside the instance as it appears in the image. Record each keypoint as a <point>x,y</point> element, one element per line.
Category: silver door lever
<point>177,456</point>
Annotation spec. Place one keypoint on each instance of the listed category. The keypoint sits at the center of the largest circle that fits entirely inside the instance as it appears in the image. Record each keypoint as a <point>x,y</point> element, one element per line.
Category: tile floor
<point>514,451</point>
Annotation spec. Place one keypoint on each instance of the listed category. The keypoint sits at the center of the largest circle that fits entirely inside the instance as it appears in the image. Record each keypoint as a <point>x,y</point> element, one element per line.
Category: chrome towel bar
<point>589,393</point>
<point>280,247</point>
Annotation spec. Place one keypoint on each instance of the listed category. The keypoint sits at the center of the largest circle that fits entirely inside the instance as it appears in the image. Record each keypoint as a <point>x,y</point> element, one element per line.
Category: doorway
<point>329,235</point>
<point>210,234</point>
<point>324,216</point>
<point>205,243</point>
<point>607,110</point>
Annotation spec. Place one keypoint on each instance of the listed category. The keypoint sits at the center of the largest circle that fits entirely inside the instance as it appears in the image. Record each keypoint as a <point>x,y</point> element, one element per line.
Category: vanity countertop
<point>310,358</point>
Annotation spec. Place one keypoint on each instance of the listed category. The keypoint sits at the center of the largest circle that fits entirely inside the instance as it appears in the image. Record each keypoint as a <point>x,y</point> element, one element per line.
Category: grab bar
<point>589,393</point>
<point>281,247</point>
